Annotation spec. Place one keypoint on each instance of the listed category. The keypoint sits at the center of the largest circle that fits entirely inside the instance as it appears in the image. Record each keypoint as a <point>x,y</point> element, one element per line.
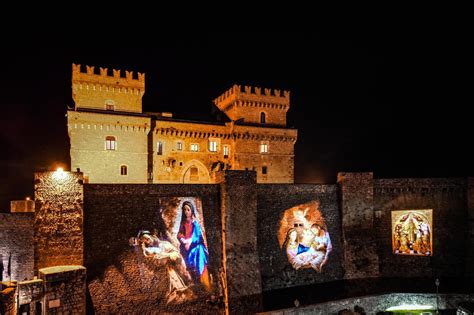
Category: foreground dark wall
<point>448,200</point>
<point>273,200</point>
<point>117,282</point>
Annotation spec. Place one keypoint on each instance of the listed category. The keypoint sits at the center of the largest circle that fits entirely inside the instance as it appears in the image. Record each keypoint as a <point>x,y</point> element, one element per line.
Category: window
<point>194,147</point>
<point>179,146</point>
<point>262,117</point>
<point>264,170</point>
<point>264,147</point>
<point>123,170</point>
<point>109,105</point>
<point>194,174</point>
<point>212,146</point>
<point>226,151</point>
<point>110,143</point>
<point>159,148</point>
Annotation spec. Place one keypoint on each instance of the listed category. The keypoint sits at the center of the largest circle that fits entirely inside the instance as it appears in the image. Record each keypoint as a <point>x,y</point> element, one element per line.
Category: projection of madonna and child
<point>175,246</point>
<point>303,237</point>
<point>411,232</point>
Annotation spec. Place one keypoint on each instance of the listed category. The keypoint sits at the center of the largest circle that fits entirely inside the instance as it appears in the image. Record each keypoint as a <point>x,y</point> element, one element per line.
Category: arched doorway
<point>195,172</point>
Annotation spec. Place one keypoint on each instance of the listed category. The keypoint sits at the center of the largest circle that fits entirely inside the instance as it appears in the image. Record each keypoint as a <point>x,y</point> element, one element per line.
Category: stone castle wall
<point>249,270</point>
<point>17,242</point>
<point>448,200</point>
<point>58,219</point>
<point>88,132</point>
<point>118,281</point>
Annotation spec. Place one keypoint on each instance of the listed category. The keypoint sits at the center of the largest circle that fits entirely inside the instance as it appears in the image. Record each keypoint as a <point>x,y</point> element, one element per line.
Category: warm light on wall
<point>59,174</point>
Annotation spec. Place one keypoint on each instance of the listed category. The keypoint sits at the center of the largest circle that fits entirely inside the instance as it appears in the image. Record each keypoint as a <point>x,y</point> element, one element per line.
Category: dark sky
<point>395,107</point>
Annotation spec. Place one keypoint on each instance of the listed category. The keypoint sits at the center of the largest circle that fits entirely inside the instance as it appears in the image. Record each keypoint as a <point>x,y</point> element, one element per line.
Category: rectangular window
<point>109,107</point>
<point>179,146</point>
<point>226,151</point>
<point>263,147</point>
<point>159,148</point>
<point>194,147</point>
<point>264,170</point>
<point>110,144</point>
<point>212,146</point>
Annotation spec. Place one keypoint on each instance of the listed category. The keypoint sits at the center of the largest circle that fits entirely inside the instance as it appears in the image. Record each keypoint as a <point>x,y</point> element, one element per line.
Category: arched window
<point>123,170</point>
<point>110,143</point>
<point>262,117</point>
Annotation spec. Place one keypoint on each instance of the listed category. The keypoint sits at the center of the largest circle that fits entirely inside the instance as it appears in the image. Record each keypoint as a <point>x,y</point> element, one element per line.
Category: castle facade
<point>114,141</point>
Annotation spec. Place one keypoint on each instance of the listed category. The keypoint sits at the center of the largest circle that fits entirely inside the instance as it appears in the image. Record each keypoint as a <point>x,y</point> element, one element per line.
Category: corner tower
<point>104,92</point>
<point>253,107</point>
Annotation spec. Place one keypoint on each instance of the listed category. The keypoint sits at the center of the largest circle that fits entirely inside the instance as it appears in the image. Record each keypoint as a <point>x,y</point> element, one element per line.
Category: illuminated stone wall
<point>273,200</point>
<point>137,134</point>
<point>448,200</point>
<point>58,219</point>
<point>88,132</point>
<point>116,282</point>
<point>16,239</point>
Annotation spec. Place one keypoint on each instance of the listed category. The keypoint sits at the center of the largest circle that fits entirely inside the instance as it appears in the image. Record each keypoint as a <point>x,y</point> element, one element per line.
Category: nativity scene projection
<point>304,238</point>
<point>175,247</point>
<point>412,232</point>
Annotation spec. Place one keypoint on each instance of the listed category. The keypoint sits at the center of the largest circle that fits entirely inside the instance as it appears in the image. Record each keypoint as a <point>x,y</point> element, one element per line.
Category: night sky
<point>394,107</point>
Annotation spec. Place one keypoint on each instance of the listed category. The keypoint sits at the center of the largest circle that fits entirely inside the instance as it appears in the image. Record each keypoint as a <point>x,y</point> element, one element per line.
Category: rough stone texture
<point>273,200</point>
<point>116,281</point>
<point>357,200</point>
<point>379,303</point>
<point>447,198</point>
<point>16,239</point>
<point>7,298</point>
<point>22,206</point>
<point>470,241</point>
<point>58,219</point>
<point>239,234</point>
<point>66,284</point>
<point>30,292</point>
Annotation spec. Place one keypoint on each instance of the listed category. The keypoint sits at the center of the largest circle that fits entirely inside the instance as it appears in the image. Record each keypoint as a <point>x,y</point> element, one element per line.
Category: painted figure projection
<point>175,246</point>
<point>303,237</point>
<point>411,232</point>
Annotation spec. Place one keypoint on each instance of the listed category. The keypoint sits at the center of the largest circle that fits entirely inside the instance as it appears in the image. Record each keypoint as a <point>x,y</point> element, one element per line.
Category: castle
<point>114,141</point>
<point>106,238</point>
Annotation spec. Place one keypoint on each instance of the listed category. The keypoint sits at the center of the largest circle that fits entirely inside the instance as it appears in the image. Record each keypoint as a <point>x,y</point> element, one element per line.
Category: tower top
<point>103,78</point>
<point>252,94</point>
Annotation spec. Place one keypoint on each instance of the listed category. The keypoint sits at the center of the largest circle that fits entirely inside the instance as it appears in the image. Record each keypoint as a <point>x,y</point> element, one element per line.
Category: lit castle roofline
<point>253,98</point>
<point>89,77</point>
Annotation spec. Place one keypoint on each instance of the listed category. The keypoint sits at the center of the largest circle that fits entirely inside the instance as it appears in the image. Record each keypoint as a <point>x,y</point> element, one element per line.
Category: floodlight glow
<point>410,307</point>
<point>59,173</point>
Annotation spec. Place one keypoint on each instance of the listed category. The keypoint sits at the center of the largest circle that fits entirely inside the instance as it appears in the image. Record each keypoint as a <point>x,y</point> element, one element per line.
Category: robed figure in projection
<point>192,245</point>
<point>164,254</point>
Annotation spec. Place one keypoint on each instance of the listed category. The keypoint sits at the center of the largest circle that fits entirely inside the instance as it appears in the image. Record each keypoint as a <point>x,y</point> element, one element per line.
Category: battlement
<point>90,77</point>
<point>253,95</point>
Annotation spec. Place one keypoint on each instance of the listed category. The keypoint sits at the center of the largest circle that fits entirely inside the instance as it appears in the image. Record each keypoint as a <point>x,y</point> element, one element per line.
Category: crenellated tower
<point>254,107</point>
<point>107,92</point>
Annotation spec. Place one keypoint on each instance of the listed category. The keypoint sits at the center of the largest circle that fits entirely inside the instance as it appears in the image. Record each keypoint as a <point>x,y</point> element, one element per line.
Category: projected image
<point>174,247</point>
<point>412,232</point>
<point>303,237</point>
